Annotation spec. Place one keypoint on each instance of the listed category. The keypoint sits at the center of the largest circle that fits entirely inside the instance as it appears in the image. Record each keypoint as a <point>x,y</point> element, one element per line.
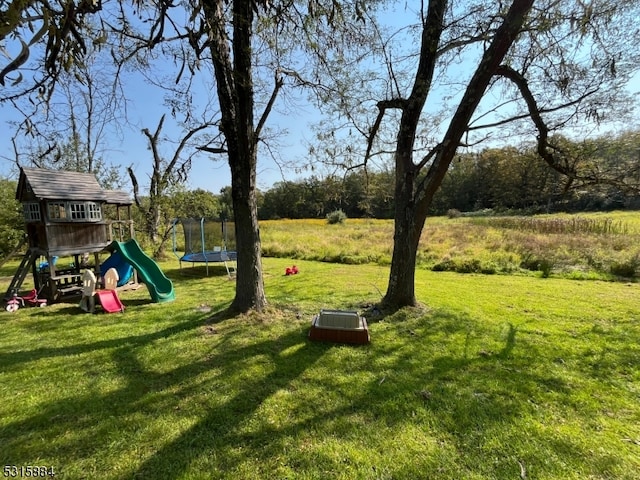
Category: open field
<point>603,246</point>
<point>496,377</point>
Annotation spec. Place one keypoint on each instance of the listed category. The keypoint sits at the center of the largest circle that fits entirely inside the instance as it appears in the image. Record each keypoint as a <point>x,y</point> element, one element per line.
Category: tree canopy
<point>509,179</point>
<point>468,72</point>
<point>464,73</point>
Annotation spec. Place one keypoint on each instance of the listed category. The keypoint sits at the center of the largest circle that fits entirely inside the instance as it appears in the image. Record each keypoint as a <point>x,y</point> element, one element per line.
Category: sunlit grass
<point>355,242</point>
<point>585,246</point>
<point>496,377</point>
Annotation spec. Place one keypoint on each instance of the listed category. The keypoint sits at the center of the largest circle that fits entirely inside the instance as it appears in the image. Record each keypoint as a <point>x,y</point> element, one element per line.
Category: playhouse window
<point>78,211</point>
<point>31,212</point>
<point>57,211</point>
<point>85,211</point>
<point>74,211</point>
<point>94,211</point>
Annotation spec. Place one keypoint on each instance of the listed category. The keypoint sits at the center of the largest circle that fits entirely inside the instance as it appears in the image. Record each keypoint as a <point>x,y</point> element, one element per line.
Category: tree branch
<point>491,60</point>
<point>279,82</point>
<point>527,115</point>
<point>543,146</point>
<point>168,171</point>
<point>134,183</point>
<point>214,150</point>
<point>373,131</point>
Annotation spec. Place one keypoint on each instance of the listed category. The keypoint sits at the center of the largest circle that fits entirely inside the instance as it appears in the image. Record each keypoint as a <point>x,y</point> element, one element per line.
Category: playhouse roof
<point>44,184</point>
<point>117,197</point>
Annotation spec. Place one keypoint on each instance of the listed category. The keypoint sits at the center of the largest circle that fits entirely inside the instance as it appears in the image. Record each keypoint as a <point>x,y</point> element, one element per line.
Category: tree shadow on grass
<point>224,432</point>
<point>198,271</point>
<point>99,418</point>
<point>474,393</point>
<point>609,353</point>
<point>11,359</point>
<point>460,393</point>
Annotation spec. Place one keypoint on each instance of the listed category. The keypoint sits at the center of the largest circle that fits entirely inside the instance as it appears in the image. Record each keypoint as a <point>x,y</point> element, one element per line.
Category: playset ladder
<point>25,265</point>
<point>14,252</point>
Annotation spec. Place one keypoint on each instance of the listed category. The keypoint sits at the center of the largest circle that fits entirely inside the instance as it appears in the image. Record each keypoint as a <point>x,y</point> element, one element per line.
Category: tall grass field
<point>507,370</point>
<point>588,246</point>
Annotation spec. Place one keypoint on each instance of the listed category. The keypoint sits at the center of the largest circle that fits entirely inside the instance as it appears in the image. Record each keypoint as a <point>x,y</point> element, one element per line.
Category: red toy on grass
<point>110,301</point>
<point>31,298</point>
<point>291,270</point>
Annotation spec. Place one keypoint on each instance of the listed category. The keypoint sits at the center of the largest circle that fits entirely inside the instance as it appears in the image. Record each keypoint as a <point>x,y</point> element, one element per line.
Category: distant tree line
<point>501,179</point>
<point>357,194</point>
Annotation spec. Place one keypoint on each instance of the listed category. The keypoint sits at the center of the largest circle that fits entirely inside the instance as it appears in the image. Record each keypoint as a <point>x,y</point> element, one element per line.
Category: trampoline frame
<point>219,254</point>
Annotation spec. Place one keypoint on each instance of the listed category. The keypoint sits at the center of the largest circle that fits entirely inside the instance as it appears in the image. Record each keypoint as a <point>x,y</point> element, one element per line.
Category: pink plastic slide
<point>110,301</point>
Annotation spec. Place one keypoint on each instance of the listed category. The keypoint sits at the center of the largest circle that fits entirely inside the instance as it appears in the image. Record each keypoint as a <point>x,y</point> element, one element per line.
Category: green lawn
<point>497,376</point>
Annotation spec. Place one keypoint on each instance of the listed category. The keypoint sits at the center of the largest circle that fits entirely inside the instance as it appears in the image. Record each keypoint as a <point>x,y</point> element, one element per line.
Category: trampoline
<point>206,241</point>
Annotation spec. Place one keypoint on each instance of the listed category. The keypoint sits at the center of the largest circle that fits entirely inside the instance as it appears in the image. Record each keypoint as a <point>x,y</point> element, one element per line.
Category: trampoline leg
<point>230,271</point>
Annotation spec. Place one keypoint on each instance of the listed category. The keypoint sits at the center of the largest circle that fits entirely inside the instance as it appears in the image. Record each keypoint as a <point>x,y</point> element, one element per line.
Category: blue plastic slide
<point>124,268</point>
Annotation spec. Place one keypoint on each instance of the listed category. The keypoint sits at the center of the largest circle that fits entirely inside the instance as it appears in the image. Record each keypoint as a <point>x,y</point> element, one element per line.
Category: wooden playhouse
<point>64,214</point>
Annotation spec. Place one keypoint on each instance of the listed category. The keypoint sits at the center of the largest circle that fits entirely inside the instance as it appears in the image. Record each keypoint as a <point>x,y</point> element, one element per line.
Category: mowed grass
<point>495,376</point>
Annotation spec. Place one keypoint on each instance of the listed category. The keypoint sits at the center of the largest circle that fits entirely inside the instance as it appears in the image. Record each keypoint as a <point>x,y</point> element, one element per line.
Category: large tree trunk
<point>409,219</point>
<point>401,289</point>
<point>249,285</point>
<point>414,192</point>
<point>407,226</point>
<point>234,83</point>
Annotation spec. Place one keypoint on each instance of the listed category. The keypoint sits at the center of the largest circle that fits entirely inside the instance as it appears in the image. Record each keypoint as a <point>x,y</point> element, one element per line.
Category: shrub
<point>535,263</point>
<point>627,268</point>
<point>545,266</point>
<point>468,266</point>
<point>489,268</point>
<point>454,213</point>
<point>530,262</point>
<point>337,216</point>
<point>464,265</point>
<point>445,265</point>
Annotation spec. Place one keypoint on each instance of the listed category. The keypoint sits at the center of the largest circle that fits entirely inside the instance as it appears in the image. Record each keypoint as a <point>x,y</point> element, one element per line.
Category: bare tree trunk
<point>234,83</point>
<point>401,291</point>
<point>249,285</point>
<point>413,192</point>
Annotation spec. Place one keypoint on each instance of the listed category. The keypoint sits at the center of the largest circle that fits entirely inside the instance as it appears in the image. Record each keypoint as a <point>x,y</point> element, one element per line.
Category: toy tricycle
<point>31,298</point>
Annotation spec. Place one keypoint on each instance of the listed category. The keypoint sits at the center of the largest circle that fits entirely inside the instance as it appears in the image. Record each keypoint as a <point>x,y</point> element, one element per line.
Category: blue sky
<point>129,146</point>
<point>206,173</point>
<point>146,107</point>
<point>211,172</point>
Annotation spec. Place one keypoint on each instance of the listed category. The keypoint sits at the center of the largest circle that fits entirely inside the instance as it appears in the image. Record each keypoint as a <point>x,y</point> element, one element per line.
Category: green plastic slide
<point>160,287</point>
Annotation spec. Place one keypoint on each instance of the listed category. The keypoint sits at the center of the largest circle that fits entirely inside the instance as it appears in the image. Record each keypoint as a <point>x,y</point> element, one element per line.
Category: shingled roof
<point>45,184</point>
<point>118,197</point>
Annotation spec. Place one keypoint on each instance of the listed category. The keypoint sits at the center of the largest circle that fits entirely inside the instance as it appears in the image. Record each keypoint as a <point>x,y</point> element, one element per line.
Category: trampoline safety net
<point>206,241</point>
<point>204,235</point>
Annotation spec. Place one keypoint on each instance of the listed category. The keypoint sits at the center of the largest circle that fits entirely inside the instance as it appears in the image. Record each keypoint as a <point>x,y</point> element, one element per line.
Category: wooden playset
<point>64,214</point>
